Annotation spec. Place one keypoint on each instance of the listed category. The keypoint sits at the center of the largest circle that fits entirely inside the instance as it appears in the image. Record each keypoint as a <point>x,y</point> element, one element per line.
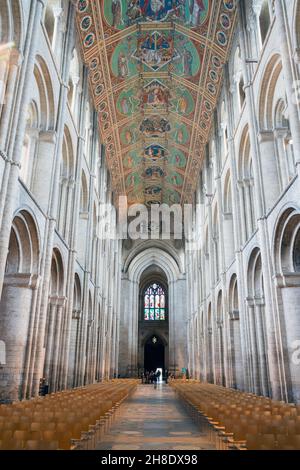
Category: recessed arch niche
<point>151,329</point>
<point>151,262</point>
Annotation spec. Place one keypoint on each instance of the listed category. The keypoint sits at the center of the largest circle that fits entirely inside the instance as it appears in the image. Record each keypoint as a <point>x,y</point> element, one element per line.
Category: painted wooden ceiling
<point>155,71</point>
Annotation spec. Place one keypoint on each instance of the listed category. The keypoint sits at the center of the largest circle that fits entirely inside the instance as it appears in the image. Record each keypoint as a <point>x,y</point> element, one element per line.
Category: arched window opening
<point>209,174</point>
<point>216,245</point>
<point>88,132</point>
<point>224,132</point>
<point>66,185</point>
<point>2,353</point>
<point>22,270</point>
<point>94,244</point>
<point>84,195</point>
<point>49,22</point>
<point>296,253</point>
<point>30,144</point>
<point>52,20</point>
<point>74,84</point>
<point>284,144</point>
<point>242,94</point>
<point>247,188</point>
<point>239,80</point>
<point>264,20</point>
<point>154,303</point>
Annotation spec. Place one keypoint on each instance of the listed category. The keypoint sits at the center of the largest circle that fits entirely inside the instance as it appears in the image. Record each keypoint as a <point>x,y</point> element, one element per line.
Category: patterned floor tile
<point>154,420</point>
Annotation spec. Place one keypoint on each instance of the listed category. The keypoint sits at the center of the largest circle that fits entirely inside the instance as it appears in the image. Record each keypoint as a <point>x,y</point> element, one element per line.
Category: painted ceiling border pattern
<point>99,41</point>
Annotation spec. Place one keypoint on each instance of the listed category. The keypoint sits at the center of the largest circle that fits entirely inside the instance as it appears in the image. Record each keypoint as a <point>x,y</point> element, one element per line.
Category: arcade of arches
<point>195,102</point>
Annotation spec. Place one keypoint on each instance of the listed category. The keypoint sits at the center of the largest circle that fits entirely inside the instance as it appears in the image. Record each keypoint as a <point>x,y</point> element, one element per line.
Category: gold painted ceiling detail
<point>155,71</point>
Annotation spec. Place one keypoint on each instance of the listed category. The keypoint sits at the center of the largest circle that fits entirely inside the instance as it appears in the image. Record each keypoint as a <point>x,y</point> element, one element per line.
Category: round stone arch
<point>269,80</point>
<point>132,275</point>
<point>286,249</point>
<point>19,293</point>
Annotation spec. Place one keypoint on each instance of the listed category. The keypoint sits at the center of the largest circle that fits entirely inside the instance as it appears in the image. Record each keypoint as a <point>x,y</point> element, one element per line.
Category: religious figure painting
<point>197,10</point>
<point>127,102</point>
<point>133,180</point>
<point>122,65</point>
<point>156,95</point>
<point>155,50</point>
<point>129,135</point>
<point>187,63</point>
<point>180,133</point>
<point>155,126</point>
<point>131,160</point>
<point>177,158</point>
<point>175,179</point>
<point>154,172</point>
<point>123,13</point>
<point>155,152</point>
<point>153,190</point>
<point>116,10</point>
<point>183,102</point>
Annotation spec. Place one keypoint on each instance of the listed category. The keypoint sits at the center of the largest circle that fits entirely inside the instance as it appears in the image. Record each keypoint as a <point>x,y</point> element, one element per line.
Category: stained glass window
<point>154,303</point>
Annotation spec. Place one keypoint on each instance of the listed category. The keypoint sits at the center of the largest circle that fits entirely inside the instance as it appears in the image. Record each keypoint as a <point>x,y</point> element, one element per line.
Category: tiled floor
<point>154,419</point>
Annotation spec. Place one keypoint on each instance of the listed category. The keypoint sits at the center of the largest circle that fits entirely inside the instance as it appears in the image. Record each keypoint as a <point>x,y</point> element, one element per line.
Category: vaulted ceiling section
<point>155,71</point>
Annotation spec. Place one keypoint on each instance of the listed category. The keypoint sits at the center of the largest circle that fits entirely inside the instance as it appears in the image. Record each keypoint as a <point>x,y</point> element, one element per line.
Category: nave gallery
<point>149,224</point>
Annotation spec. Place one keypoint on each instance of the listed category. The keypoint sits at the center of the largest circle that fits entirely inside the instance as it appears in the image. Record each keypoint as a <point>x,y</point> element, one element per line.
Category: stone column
<point>16,308</point>
<point>233,350</point>
<point>253,352</point>
<point>220,373</point>
<point>242,216</point>
<point>69,206</point>
<point>50,335</point>
<point>61,211</point>
<point>249,209</point>
<point>104,339</point>
<point>56,358</point>
<point>74,102</point>
<point>109,342</point>
<point>262,349</point>
<point>210,363</point>
<point>72,350</point>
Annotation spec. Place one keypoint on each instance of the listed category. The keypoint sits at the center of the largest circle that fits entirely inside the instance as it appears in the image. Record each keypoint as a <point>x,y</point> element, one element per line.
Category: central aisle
<point>154,420</point>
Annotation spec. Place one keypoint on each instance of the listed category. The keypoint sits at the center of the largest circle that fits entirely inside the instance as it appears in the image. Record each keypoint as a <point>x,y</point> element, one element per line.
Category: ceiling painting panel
<point>155,71</point>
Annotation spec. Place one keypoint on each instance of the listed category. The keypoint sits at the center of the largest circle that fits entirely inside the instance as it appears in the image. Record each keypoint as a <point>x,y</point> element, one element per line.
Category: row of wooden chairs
<point>236,420</point>
<point>70,419</point>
